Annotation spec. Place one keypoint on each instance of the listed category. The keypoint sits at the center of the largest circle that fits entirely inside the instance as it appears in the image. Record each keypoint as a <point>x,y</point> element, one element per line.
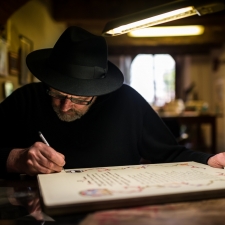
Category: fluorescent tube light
<point>168,31</point>
<point>165,17</point>
<point>161,14</point>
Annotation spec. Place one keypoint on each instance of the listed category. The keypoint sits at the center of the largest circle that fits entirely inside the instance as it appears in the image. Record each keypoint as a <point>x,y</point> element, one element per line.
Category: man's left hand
<point>217,161</point>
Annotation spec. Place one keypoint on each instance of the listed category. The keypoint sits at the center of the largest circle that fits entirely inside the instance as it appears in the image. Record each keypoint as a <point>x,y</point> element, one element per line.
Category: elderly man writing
<point>85,112</point>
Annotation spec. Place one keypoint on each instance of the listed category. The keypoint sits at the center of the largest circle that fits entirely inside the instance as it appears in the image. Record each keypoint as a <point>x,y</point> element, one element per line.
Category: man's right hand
<point>39,158</point>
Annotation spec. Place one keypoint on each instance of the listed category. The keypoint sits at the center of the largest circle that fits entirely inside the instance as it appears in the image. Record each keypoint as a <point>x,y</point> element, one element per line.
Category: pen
<point>44,140</point>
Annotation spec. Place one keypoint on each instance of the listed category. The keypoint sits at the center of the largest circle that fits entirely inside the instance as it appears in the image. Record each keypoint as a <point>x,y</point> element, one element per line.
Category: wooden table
<point>197,120</point>
<point>20,204</point>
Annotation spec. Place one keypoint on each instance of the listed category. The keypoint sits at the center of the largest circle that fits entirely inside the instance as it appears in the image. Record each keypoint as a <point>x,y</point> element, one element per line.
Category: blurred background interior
<point>182,77</point>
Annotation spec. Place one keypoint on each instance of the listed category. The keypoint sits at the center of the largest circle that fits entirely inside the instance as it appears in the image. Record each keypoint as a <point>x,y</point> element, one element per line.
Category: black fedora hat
<point>77,65</point>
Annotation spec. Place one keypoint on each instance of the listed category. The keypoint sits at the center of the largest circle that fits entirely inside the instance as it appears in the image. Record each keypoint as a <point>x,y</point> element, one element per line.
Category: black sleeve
<point>18,118</point>
<point>9,116</point>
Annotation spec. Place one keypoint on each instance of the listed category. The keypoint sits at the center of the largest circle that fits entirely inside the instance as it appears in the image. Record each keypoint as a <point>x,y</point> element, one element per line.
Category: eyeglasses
<point>72,99</point>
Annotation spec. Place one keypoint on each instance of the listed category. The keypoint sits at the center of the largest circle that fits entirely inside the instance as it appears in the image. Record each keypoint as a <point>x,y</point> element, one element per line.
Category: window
<point>153,76</point>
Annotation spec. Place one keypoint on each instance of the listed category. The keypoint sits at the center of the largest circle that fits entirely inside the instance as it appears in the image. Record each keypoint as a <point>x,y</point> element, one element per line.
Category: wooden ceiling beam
<point>92,15</point>
<point>98,9</point>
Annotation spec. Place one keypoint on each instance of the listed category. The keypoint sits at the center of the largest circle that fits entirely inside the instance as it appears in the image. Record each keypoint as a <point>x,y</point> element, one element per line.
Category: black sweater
<point>119,129</point>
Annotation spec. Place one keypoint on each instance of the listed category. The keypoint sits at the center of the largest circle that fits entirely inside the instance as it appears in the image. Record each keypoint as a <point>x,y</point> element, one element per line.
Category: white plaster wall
<point>34,21</point>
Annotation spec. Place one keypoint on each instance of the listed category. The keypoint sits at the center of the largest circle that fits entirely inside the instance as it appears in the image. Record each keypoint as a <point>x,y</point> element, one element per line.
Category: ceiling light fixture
<point>162,14</point>
<point>167,31</point>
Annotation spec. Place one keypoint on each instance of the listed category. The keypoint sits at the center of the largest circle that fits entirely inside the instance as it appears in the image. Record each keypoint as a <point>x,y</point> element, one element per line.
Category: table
<point>197,120</point>
<point>20,204</point>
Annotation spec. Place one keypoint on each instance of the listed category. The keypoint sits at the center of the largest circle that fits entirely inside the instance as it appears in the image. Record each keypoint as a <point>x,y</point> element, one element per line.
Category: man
<point>85,112</point>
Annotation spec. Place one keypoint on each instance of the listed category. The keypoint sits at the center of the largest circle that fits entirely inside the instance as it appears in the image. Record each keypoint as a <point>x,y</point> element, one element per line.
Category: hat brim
<point>37,63</point>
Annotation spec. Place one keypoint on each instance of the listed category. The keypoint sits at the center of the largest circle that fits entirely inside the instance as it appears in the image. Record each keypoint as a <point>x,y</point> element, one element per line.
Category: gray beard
<point>68,118</point>
<point>75,114</point>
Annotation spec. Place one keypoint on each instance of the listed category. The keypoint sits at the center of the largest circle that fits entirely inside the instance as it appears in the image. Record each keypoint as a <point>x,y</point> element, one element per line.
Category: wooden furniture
<point>198,120</point>
<point>19,204</point>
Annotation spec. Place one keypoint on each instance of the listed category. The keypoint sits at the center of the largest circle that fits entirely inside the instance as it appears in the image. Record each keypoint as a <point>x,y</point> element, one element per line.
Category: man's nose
<point>66,105</point>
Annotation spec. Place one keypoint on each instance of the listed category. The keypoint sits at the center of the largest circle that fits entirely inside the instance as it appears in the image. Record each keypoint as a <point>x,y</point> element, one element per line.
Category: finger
<point>51,154</point>
<point>38,163</point>
<point>41,164</point>
<point>57,158</point>
<point>35,168</point>
<point>61,155</point>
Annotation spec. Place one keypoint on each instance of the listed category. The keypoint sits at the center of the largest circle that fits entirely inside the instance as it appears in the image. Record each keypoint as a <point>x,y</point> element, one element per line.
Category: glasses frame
<point>72,99</point>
